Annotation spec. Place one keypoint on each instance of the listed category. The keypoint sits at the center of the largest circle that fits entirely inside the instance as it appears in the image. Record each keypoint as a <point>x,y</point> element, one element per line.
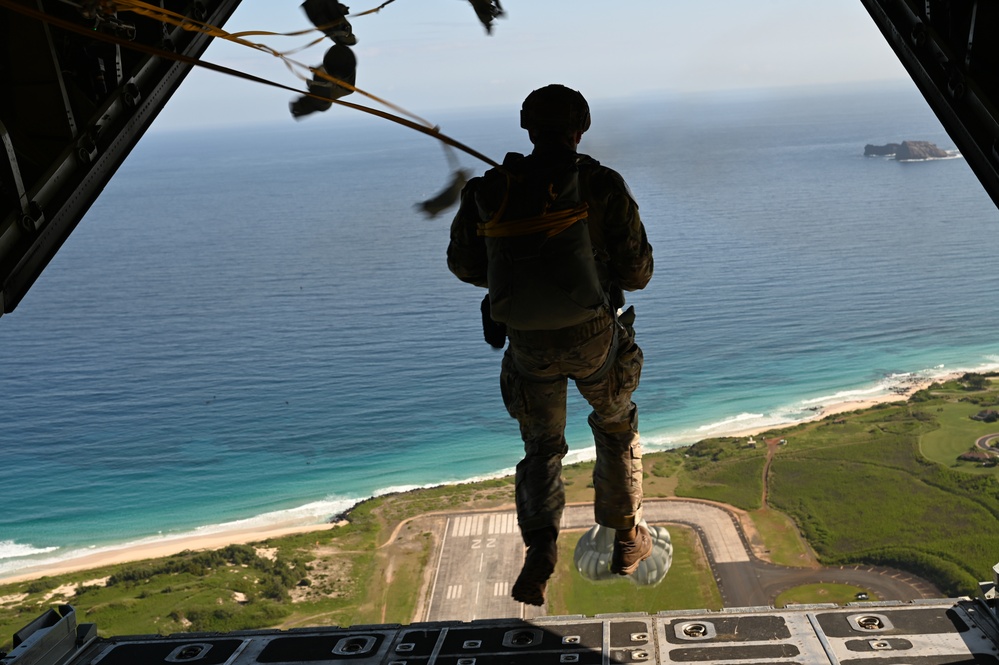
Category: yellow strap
<point>192,25</point>
<point>551,223</point>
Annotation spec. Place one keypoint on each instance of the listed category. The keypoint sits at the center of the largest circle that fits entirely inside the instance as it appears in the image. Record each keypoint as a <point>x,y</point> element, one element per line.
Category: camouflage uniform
<point>600,355</point>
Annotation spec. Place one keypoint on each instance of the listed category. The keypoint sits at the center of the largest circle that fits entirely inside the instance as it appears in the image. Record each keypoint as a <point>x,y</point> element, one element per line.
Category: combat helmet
<point>555,108</point>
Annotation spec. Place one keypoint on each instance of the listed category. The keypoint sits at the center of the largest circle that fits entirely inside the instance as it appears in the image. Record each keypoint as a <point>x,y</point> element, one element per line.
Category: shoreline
<point>129,553</point>
<point>159,549</point>
<point>901,393</point>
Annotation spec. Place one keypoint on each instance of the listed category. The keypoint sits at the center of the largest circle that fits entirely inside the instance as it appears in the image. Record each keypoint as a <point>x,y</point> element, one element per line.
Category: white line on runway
<point>502,523</point>
<point>437,570</point>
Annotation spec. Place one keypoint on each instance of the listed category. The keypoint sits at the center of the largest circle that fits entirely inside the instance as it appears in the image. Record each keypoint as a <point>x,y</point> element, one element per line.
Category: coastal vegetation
<point>881,486</point>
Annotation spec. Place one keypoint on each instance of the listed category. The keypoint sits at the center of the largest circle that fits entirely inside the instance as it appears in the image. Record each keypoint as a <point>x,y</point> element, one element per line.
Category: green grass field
<point>783,543</point>
<point>688,583</point>
<point>723,470</point>
<point>956,434</point>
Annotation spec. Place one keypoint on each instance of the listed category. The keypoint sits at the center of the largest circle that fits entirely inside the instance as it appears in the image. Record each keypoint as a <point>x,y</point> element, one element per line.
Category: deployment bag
<point>541,270</point>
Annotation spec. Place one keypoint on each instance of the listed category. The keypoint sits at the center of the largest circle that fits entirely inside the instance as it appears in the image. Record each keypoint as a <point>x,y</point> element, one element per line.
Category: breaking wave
<point>10,550</point>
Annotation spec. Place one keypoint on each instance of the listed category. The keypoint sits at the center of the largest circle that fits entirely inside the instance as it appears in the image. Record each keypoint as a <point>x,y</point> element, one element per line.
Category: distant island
<point>906,150</point>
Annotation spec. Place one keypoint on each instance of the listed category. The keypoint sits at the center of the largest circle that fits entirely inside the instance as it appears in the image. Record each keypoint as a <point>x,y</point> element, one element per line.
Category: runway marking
<point>488,543</point>
<point>476,525</point>
<point>453,592</point>
<point>468,525</point>
<point>502,523</point>
<point>437,569</point>
<point>501,589</point>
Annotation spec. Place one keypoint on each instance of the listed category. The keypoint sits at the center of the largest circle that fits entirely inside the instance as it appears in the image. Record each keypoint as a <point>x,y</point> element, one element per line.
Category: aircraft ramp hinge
<point>58,74</point>
<point>15,170</point>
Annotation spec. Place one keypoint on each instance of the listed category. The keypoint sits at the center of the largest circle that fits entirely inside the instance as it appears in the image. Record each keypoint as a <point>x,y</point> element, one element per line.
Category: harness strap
<point>551,223</point>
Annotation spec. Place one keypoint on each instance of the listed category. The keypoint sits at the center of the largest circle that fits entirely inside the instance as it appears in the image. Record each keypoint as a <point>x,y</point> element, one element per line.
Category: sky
<point>427,55</point>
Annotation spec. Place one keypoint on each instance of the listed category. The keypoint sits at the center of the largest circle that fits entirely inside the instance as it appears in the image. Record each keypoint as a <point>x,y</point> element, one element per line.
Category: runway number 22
<point>477,543</point>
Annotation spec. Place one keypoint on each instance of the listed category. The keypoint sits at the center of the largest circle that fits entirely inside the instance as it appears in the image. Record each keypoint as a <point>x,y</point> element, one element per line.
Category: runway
<point>481,553</point>
<point>480,557</point>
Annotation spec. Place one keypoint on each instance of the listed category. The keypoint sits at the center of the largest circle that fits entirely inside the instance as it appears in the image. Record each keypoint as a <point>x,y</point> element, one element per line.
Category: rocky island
<point>906,150</point>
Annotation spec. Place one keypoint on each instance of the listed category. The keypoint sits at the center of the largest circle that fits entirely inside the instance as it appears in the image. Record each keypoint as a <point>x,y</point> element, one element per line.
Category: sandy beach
<point>215,540</point>
<point>166,547</point>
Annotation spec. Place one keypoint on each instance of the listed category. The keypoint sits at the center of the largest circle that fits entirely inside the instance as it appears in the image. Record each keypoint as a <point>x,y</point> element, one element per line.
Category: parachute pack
<point>541,269</point>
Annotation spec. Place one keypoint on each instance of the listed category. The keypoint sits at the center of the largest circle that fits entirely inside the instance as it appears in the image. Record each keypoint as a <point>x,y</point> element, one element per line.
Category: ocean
<point>255,326</point>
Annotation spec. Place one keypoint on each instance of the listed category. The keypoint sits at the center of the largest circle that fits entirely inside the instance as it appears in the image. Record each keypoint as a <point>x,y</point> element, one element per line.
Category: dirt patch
<point>269,553</point>
<point>416,543</point>
<point>329,576</point>
<point>753,537</point>
<point>64,592</point>
<point>389,569</point>
<point>12,599</point>
<point>67,591</point>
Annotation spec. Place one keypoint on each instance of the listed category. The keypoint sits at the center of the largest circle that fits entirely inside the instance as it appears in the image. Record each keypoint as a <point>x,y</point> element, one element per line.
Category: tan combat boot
<point>631,547</point>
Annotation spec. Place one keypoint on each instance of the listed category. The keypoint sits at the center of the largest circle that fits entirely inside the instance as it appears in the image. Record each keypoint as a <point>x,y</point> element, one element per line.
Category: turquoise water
<point>255,327</point>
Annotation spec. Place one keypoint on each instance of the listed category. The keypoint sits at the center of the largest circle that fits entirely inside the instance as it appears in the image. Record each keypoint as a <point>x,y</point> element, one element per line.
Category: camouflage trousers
<point>601,357</point>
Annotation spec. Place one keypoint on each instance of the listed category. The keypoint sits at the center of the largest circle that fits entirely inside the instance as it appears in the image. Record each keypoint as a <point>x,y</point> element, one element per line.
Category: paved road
<point>481,555</point>
<point>985,442</point>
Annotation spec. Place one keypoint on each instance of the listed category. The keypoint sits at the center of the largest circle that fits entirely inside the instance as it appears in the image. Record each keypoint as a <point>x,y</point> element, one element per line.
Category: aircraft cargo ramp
<point>931,632</point>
